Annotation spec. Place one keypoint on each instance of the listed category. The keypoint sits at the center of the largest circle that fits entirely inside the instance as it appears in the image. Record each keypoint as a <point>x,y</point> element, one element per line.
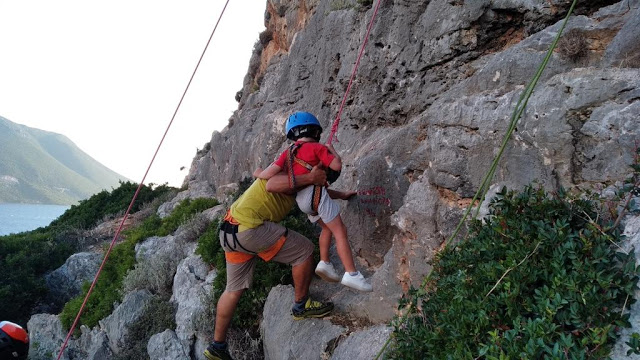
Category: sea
<point>16,218</point>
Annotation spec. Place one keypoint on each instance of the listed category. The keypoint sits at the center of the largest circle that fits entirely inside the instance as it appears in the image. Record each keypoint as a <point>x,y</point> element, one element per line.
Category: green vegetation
<point>26,257</point>
<point>539,279</point>
<point>268,274</point>
<point>91,211</point>
<point>122,259</point>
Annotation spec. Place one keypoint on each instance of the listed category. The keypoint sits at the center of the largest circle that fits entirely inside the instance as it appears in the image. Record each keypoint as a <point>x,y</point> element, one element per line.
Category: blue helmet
<point>303,124</point>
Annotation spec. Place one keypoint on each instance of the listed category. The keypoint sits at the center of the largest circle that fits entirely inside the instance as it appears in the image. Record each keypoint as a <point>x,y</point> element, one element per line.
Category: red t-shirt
<point>311,152</point>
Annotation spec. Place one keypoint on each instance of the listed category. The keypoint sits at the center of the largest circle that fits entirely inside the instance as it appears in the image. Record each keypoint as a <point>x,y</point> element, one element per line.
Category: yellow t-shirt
<point>257,205</point>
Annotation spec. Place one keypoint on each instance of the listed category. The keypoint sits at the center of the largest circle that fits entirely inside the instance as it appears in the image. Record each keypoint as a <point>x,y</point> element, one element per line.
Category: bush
<point>154,274</point>
<point>90,211</point>
<point>538,280</point>
<point>183,213</point>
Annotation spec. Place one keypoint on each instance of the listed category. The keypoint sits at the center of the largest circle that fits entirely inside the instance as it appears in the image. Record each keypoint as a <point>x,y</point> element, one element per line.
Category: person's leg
<point>324,241</point>
<point>301,274</point>
<point>239,278</point>
<point>224,312</point>
<point>351,278</point>
<point>325,268</point>
<point>339,231</point>
<point>298,252</point>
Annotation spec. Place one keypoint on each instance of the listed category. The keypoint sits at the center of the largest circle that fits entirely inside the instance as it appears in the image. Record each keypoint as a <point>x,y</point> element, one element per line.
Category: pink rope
<point>135,196</point>
<point>334,127</point>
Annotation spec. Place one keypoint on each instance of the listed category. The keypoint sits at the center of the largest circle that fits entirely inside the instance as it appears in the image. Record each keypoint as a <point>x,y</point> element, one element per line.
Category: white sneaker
<point>327,272</point>
<point>356,282</point>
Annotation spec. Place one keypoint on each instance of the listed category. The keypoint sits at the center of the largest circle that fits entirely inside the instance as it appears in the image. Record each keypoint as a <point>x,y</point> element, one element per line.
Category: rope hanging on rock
<point>334,127</point>
<point>135,196</point>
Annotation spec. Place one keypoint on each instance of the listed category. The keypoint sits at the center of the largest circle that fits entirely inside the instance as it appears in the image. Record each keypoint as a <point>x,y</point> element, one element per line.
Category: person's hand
<point>318,175</point>
<point>257,172</point>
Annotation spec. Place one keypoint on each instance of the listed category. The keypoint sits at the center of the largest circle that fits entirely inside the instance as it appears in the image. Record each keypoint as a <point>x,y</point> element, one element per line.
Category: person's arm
<point>336,163</point>
<point>269,172</point>
<point>280,183</point>
<point>343,195</point>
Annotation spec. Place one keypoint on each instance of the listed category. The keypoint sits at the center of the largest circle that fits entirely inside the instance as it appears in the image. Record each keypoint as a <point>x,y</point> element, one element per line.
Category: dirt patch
<point>350,322</point>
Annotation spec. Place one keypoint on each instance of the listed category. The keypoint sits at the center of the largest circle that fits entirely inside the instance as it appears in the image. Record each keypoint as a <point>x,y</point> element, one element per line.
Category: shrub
<point>538,280</point>
<point>154,274</point>
<point>90,211</point>
<point>183,213</point>
<point>208,245</point>
<point>573,45</point>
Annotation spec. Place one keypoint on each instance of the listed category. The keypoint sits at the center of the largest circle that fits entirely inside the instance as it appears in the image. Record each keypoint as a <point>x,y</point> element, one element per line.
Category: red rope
<point>334,127</point>
<point>126,215</point>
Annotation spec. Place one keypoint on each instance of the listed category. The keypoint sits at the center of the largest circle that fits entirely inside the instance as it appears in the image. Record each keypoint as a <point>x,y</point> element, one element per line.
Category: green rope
<point>515,116</point>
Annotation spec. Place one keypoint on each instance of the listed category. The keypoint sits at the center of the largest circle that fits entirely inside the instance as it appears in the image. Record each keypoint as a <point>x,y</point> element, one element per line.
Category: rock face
<point>166,346</point>
<point>285,338</point>
<point>429,107</point>
<point>116,325</point>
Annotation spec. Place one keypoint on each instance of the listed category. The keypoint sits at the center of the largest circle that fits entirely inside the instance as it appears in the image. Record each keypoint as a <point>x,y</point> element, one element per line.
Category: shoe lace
<point>312,304</point>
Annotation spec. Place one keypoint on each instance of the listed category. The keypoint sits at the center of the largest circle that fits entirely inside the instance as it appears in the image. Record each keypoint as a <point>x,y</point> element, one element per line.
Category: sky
<point>109,74</point>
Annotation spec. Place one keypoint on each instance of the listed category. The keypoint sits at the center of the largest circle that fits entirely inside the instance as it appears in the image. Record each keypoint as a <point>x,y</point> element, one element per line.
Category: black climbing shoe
<point>213,353</point>
<point>312,309</point>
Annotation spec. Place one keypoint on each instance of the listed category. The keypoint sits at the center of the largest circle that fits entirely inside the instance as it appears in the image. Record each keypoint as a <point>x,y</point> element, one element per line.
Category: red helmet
<point>14,341</point>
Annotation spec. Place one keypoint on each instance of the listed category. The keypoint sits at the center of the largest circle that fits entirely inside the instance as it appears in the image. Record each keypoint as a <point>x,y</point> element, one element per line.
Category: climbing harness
<point>292,159</point>
<point>135,195</point>
<point>230,226</point>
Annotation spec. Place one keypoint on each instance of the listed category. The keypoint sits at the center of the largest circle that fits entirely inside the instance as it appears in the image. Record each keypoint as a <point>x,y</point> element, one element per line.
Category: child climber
<point>316,201</point>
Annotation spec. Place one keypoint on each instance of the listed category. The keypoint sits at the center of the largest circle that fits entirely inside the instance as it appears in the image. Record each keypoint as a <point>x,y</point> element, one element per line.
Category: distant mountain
<point>38,166</point>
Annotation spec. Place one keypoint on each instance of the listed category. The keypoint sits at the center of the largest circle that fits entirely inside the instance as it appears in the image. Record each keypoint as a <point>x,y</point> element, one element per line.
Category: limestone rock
<point>192,285</point>
<point>285,338</point>
<point>94,343</point>
<point>166,346</point>
<point>197,189</point>
<point>66,281</point>
<point>363,344</point>
<point>116,325</point>
<point>46,337</point>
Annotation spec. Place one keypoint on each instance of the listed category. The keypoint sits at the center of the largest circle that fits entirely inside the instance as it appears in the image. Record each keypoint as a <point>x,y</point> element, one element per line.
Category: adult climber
<point>14,341</point>
<point>250,229</point>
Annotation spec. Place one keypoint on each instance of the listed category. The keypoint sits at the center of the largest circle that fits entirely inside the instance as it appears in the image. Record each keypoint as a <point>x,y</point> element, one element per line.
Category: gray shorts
<point>327,209</point>
<point>295,250</point>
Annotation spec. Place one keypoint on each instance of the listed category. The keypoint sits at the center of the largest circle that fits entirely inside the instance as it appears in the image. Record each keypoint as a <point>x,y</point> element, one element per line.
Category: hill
<point>38,166</point>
